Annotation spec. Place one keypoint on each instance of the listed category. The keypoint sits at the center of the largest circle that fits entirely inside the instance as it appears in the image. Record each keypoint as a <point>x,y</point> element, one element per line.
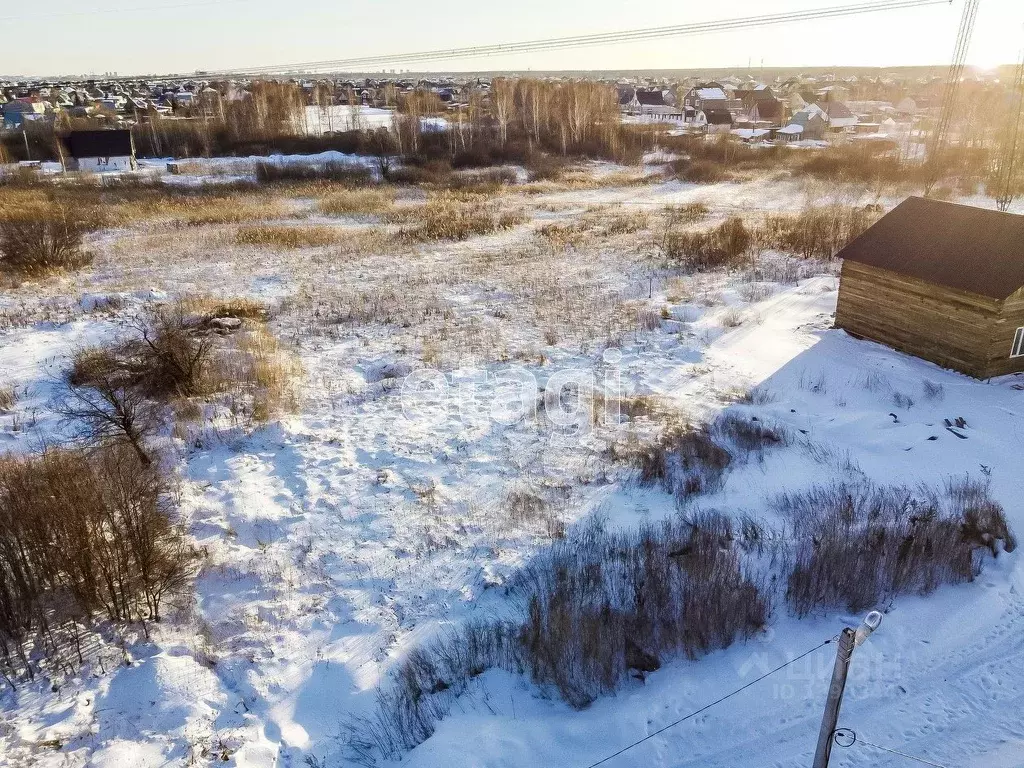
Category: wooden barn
<point>940,281</point>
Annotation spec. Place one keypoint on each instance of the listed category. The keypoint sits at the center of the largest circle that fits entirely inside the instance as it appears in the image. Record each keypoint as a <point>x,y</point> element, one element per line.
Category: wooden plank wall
<point>954,329</point>
<point>1010,319</point>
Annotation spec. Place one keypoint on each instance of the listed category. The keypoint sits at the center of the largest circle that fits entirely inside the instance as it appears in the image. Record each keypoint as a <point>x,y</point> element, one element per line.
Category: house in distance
<point>103,150</point>
<point>940,281</point>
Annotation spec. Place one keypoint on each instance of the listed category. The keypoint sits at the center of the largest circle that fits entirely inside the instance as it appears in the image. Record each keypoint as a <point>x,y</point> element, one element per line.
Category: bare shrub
<point>754,292</point>
<point>759,395</point>
<point>343,173</point>
<point>83,534</point>
<point>270,236</point>
<point>45,240</point>
<point>699,171</point>
<point>902,401</point>
<point>857,544</point>
<point>605,604</point>
<point>101,404</point>
<point>732,318</point>
<point>723,246</point>
<point>685,460</point>
<point>195,349</point>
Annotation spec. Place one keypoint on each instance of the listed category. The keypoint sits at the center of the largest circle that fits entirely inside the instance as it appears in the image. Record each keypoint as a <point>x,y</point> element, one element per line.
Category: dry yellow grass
<point>376,201</point>
<point>458,216</point>
<point>252,366</point>
<point>285,236</point>
<point>209,307</point>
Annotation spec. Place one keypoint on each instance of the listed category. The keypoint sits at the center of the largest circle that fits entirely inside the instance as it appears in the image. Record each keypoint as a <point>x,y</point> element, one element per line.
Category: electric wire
<point>706,707</point>
<point>577,41</point>
<point>847,737</point>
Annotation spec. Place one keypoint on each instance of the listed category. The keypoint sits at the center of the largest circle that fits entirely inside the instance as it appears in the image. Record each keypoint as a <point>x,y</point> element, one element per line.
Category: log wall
<point>955,329</point>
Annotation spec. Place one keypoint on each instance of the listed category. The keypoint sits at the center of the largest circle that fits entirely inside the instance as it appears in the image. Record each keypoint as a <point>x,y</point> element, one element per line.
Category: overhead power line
<point>364,63</point>
<point>847,737</point>
<point>706,707</point>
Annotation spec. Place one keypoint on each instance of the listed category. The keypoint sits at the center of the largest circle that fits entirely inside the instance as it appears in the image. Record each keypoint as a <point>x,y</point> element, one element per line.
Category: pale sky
<point>136,36</point>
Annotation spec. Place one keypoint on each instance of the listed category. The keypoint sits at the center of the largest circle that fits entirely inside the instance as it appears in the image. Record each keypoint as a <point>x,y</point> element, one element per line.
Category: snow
<point>339,118</point>
<point>348,533</point>
<point>711,94</point>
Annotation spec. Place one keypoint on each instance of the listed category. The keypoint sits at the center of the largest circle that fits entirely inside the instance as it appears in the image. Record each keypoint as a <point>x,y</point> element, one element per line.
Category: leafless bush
<point>603,605</point>
<point>685,460</point>
<point>732,318</point>
<point>82,534</point>
<point>723,246</point>
<point>699,171</point>
<point>857,544</point>
<point>48,239</point>
<point>342,173</point>
<point>902,401</point>
<point>195,349</point>
<point>101,404</point>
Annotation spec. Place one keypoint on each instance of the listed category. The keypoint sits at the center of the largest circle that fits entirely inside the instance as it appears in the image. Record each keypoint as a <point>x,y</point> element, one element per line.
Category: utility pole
<point>835,699</point>
<point>849,639</point>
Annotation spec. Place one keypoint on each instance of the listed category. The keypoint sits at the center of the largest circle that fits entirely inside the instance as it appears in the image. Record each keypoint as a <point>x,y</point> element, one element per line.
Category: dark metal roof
<point>651,98</point>
<point>718,116</point>
<point>956,246</point>
<point>111,143</point>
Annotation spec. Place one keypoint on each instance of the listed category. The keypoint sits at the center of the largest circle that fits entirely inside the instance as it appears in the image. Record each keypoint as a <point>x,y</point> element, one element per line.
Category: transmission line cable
<point>706,707</point>
<point>578,41</point>
<point>847,737</point>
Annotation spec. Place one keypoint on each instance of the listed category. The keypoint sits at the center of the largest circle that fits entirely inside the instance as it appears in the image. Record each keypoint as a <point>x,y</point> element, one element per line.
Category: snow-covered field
<point>357,528</point>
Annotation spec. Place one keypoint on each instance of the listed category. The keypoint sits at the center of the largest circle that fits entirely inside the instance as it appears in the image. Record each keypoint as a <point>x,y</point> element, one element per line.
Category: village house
<point>837,115</point>
<point>102,150</point>
<point>714,120</point>
<point>700,98</point>
<point>940,281</point>
<point>19,111</point>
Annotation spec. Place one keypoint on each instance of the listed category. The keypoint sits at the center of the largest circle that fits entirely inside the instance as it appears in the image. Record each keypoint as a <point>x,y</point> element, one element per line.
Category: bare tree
<point>107,408</point>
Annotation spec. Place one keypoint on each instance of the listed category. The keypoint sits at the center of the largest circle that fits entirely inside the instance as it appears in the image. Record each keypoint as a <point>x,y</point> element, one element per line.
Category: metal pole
<point>835,698</point>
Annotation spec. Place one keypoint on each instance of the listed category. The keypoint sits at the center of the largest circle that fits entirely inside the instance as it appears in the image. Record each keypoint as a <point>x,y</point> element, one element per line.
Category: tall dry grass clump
<point>598,607</point>
<point>816,232</point>
<point>858,545</point>
<point>727,245</point>
<point>453,216</point>
<point>286,236</point>
<point>347,202</point>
